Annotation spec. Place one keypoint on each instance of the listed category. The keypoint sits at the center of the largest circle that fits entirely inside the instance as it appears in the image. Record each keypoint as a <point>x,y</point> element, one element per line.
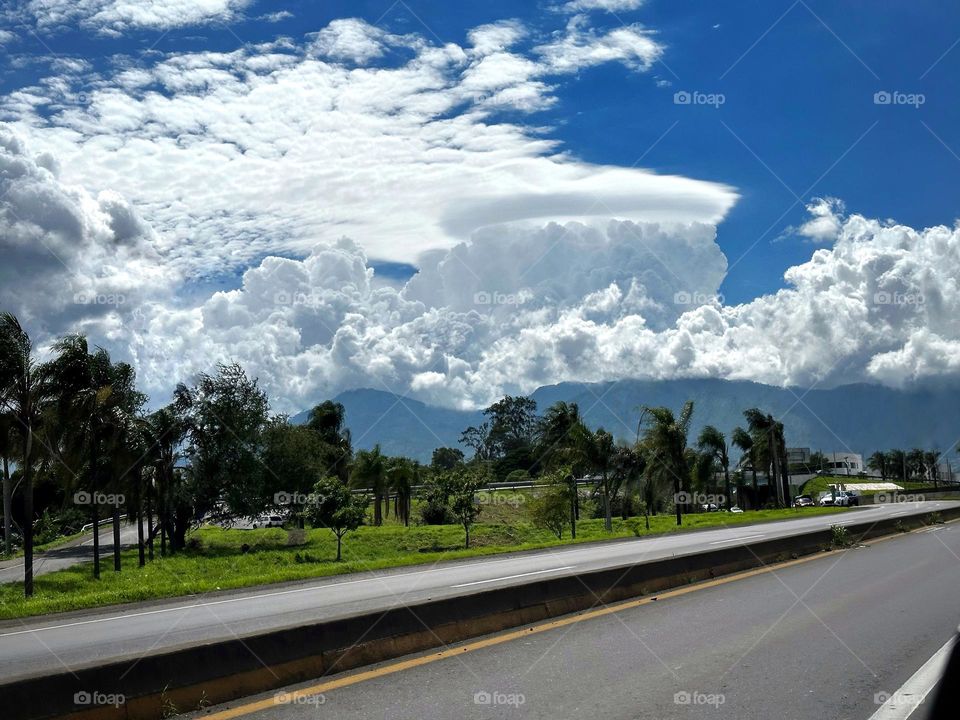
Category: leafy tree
<point>916,463</point>
<point>478,439</point>
<point>7,453</point>
<point>665,442</point>
<point>878,463</point>
<point>402,474</point>
<point>293,459</point>
<point>550,508</point>
<point>599,449</point>
<point>713,442</point>
<point>225,415</point>
<point>464,486</point>
<point>742,439</point>
<point>24,390</point>
<point>333,506</point>
<point>770,447</point>
<point>446,458</point>
<point>897,462</point>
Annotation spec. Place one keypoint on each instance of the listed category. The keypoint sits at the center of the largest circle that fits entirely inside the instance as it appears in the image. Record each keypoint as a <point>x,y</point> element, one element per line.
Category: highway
<point>858,635</point>
<point>40,645</point>
<point>70,554</point>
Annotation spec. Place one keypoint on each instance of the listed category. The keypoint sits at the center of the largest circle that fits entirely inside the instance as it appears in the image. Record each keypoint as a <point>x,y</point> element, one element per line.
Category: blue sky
<point>235,168</point>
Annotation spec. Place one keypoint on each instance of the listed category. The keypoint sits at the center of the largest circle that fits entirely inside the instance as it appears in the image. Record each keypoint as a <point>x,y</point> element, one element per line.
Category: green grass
<point>216,559</point>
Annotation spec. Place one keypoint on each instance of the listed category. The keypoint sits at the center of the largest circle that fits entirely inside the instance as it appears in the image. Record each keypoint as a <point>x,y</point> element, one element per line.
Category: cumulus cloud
<point>271,149</point>
<point>115,16</point>
<point>825,222</point>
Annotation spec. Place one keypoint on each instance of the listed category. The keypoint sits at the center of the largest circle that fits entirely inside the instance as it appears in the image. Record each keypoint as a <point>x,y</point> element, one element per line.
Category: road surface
<point>859,635</point>
<point>38,645</point>
<point>74,553</point>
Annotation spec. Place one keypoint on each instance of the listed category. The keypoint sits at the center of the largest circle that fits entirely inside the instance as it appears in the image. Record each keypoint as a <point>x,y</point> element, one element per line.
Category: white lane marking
<point>902,512</point>
<point>901,704</point>
<point>511,577</point>
<point>737,539</point>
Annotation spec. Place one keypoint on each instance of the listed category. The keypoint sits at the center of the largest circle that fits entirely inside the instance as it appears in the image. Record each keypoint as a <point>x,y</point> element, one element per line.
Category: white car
<point>268,521</point>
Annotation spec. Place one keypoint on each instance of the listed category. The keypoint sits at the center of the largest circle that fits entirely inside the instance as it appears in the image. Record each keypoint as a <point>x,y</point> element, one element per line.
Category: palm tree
<point>897,462</point>
<point>916,464</point>
<point>402,474</point>
<point>328,421</point>
<point>599,449</point>
<point>714,444</point>
<point>7,452</point>
<point>370,471</point>
<point>878,463</point>
<point>770,445</point>
<point>165,430</point>
<point>665,440</point>
<point>23,393</point>
<point>742,439</point>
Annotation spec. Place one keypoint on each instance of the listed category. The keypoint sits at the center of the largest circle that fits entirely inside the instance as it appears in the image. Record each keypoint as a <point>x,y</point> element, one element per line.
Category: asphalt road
<point>835,636</point>
<point>71,554</point>
<point>34,646</point>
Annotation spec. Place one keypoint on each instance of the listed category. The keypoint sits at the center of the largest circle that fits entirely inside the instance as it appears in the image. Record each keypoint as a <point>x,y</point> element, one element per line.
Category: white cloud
<point>274,148</point>
<point>275,17</point>
<point>6,37</point>
<point>826,220</point>
<point>115,16</point>
<point>581,46</point>
<point>608,5</point>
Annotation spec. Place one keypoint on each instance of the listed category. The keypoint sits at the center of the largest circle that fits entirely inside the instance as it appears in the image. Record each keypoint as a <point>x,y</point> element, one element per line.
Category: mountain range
<point>850,418</point>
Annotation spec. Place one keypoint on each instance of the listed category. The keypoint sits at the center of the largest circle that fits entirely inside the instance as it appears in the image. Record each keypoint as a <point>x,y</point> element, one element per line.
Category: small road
<point>858,635</point>
<point>49,644</point>
<point>78,551</point>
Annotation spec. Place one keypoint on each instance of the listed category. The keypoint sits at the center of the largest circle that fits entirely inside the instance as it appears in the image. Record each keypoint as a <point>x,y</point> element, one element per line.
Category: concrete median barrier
<point>187,678</point>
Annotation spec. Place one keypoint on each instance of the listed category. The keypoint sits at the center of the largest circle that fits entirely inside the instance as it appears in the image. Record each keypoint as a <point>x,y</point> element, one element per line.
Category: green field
<point>217,560</point>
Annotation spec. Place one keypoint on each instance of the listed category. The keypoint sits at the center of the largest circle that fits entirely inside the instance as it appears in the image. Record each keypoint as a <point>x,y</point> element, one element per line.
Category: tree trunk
<point>141,554</point>
<point>726,483</point>
<point>116,537</point>
<point>150,530</point>
<point>7,506</point>
<point>676,494</point>
<point>27,515</point>
<point>95,508</point>
<point>466,528</point>
<point>339,543</point>
<point>607,517</point>
<point>573,508</point>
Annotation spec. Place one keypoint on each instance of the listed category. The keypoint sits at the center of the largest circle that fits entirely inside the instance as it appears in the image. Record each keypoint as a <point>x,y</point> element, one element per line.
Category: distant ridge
<point>861,418</point>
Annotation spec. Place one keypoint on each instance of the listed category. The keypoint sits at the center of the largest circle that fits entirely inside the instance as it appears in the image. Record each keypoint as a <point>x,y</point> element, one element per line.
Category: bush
<point>436,513</point>
<point>840,537</point>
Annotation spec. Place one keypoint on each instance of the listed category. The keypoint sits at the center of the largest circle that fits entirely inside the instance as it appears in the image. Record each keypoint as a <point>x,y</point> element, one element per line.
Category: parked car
<point>268,521</point>
<point>846,498</point>
<point>803,501</point>
<point>710,507</point>
<point>736,509</point>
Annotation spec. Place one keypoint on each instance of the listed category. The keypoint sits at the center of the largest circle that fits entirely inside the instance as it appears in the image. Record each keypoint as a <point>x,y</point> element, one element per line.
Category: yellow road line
<point>292,697</point>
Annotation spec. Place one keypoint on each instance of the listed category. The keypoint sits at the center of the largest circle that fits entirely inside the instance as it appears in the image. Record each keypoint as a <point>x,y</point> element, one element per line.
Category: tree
<point>165,430</point>
<point>225,415</point>
<point>878,463</point>
<point>770,448</point>
<point>478,439</point>
<point>333,506</point>
<point>7,452</point>
<point>665,443</point>
<point>550,508</point>
<point>328,421</point>
<point>402,474</point>
<point>599,449</point>
<point>370,472</point>
<point>916,463</point>
<point>712,442</point>
<point>24,390</point>
<point>464,486</point>
<point>446,458</point>
<point>293,459</point>
<point>897,462</point>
